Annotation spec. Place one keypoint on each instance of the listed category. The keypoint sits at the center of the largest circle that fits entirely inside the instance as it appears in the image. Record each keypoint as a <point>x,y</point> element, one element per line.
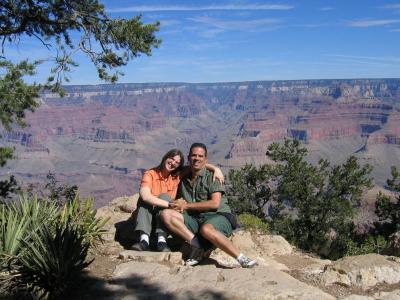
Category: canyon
<point>102,137</point>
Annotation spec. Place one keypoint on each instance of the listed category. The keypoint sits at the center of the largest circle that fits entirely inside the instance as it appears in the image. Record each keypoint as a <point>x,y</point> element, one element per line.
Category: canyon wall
<point>102,137</point>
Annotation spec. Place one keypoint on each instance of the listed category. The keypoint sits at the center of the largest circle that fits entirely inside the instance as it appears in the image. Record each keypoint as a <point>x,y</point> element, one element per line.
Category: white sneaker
<point>195,257</point>
<point>246,262</point>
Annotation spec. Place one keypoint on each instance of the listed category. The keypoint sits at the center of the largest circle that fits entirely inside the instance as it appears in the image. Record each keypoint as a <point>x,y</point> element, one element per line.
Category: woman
<point>158,188</point>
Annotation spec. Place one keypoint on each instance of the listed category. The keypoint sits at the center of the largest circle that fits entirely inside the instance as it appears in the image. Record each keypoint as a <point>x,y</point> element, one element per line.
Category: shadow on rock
<point>125,234</point>
<point>206,294</point>
<point>134,286</point>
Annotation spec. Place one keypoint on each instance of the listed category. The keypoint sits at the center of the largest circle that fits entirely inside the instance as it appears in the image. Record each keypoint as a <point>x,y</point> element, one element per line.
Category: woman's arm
<point>147,197</point>
<point>218,175</point>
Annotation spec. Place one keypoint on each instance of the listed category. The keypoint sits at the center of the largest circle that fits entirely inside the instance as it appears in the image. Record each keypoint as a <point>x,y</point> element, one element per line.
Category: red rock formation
<point>244,116</point>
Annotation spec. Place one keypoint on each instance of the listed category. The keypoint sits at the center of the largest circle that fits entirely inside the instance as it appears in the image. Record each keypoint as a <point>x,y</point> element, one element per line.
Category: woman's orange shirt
<point>159,185</point>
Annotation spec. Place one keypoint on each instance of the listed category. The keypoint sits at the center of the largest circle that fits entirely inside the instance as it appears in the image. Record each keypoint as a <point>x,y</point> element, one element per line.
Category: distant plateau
<point>102,137</point>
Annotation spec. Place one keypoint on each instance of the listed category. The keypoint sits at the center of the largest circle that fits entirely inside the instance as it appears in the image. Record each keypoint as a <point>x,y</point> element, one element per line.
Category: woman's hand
<point>218,175</point>
<point>179,205</point>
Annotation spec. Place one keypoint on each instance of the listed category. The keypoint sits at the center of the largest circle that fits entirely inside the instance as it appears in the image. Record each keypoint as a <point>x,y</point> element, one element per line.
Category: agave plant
<point>82,214</point>
<point>43,247</point>
<point>18,220</point>
<point>56,258</point>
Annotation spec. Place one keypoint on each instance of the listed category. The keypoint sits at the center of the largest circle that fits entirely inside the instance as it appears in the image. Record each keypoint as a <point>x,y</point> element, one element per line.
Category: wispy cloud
<point>327,8</point>
<point>242,25</point>
<point>169,22</point>
<point>199,46</point>
<point>370,60</point>
<point>210,27</point>
<point>210,33</point>
<point>392,6</point>
<point>149,8</point>
<point>372,23</point>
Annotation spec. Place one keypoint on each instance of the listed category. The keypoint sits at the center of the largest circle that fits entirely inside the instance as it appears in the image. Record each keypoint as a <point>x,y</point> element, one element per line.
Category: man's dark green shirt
<point>202,189</point>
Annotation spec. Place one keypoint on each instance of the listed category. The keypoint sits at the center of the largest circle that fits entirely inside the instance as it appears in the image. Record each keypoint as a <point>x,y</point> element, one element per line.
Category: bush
<point>82,214</point>
<point>44,246</point>
<point>18,221</point>
<point>388,209</point>
<point>54,260</point>
<point>311,205</point>
<point>358,245</point>
<point>8,188</point>
<point>250,189</point>
<point>253,223</point>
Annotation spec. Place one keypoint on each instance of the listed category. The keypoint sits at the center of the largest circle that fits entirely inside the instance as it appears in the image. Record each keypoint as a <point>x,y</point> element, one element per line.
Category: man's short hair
<point>198,145</point>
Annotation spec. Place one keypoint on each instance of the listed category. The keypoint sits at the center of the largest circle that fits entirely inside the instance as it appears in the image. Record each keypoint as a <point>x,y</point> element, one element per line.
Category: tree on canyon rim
<point>312,205</point>
<point>64,28</point>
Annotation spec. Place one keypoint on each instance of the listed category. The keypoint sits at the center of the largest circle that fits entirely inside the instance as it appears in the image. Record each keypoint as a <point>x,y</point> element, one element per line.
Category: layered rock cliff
<point>120,129</point>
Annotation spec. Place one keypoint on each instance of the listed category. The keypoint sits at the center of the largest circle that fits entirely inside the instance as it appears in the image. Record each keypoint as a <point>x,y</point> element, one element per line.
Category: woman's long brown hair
<point>170,154</point>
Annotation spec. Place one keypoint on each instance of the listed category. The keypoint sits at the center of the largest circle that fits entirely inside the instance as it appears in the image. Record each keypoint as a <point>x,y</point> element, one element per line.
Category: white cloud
<point>327,8</point>
<point>148,8</point>
<point>211,33</point>
<point>392,6</point>
<point>169,22</point>
<point>371,23</point>
<point>366,59</point>
<point>243,25</point>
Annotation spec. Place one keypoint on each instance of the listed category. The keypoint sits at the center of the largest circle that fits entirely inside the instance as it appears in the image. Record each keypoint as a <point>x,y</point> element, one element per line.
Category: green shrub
<point>82,214</point>
<point>249,189</point>
<point>311,205</point>
<point>54,259</point>
<point>44,246</point>
<point>388,208</point>
<point>18,221</point>
<point>253,223</point>
<point>372,244</point>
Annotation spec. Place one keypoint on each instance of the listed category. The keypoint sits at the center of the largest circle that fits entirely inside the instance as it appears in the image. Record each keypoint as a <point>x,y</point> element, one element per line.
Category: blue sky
<point>220,41</point>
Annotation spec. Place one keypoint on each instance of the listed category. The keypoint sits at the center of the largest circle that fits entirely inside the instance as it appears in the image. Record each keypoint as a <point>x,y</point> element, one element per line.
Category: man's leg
<point>186,227</point>
<point>176,223</point>
<point>216,229</point>
<point>219,240</point>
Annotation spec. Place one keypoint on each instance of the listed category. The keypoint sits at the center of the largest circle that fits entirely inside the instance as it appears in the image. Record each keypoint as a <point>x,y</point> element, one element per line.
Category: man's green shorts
<point>220,223</point>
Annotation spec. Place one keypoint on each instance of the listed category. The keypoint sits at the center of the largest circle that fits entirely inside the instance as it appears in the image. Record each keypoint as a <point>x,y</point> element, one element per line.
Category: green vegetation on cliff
<point>388,208</point>
<point>44,246</point>
<point>311,205</point>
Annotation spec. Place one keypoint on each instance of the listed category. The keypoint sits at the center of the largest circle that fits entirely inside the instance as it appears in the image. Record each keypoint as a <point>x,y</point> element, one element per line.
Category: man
<point>203,211</point>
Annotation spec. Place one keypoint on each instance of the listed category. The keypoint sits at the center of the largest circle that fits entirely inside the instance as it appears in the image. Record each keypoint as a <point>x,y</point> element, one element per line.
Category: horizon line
<point>234,82</point>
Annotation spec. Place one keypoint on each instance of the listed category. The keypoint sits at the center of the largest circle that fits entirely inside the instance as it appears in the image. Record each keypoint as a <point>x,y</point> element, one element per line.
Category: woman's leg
<point>161,230</point>
<point>143,222</point>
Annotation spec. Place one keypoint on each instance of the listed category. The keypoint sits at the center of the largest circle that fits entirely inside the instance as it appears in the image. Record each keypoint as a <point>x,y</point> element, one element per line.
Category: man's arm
<point>210,205</point>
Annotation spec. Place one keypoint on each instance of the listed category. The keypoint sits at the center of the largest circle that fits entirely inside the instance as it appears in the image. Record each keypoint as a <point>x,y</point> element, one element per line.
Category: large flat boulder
<point>302,263</point>
<point>393,295</point>
<point>260,247</point>
<point>154,280</point>
<point>363,271</point>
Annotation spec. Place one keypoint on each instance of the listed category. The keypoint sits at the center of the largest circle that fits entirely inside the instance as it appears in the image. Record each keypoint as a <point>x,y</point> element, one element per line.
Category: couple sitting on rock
<point>200,214</point>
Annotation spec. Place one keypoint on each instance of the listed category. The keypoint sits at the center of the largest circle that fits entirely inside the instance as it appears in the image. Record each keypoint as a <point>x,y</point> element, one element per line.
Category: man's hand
<point>179,205</point>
